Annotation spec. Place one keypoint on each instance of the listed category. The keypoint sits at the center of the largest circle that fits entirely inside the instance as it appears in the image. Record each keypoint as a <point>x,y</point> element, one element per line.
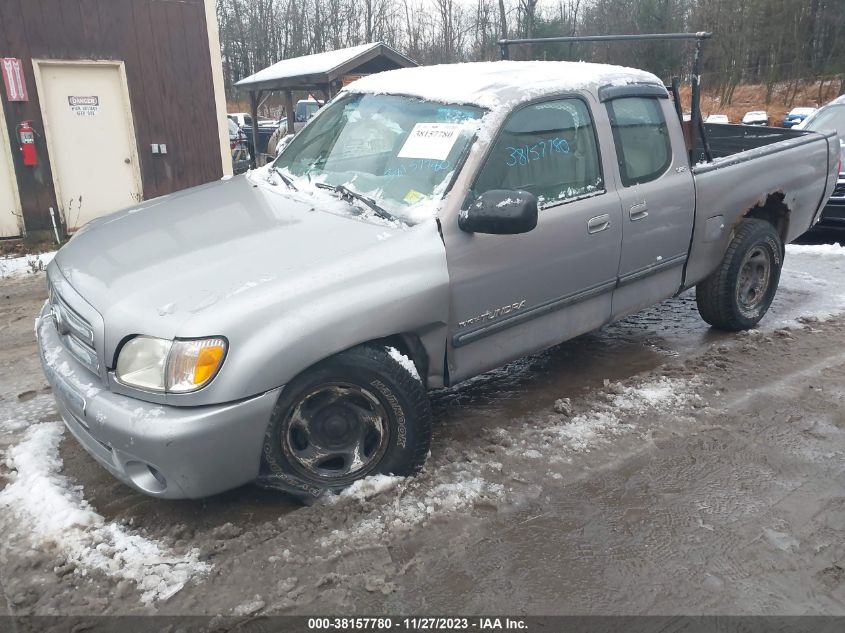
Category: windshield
<point>398,151</point>
<point>830,118</point>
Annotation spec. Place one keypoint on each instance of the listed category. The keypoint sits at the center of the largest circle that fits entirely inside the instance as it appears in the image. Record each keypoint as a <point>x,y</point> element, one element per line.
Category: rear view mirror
<point>500,212</point>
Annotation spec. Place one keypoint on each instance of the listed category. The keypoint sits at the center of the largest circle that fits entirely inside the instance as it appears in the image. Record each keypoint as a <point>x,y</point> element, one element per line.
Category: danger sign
<point>84,106</point>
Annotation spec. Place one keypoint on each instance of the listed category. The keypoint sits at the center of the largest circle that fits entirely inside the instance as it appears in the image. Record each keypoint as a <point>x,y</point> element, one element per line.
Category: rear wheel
<point>355,414</point>
<point>738,293</point>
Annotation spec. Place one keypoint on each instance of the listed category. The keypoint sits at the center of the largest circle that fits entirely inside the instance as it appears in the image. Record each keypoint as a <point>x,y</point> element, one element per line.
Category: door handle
<point>638,212</point>
<point>598,223</point>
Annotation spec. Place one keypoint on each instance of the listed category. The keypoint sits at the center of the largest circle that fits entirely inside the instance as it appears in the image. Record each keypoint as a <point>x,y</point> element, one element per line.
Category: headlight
<point>142,362</point>
<point>157,364</point>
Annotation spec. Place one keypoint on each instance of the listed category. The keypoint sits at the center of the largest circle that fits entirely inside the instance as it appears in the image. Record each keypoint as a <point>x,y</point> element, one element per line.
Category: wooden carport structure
<point>321,73</point>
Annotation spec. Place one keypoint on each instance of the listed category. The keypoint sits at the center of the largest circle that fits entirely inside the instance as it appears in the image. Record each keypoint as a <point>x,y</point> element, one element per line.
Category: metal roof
<point>323,69</point>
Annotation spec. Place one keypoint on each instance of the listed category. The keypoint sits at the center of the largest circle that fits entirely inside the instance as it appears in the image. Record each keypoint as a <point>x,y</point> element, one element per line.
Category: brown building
<point>126,103</point>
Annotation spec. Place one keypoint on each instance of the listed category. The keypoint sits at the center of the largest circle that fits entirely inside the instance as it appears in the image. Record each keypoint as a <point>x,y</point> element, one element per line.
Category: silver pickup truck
<point>428,225</point>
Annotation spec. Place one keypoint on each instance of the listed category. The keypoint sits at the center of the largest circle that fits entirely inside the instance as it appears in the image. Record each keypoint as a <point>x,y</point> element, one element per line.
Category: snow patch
<point>11,267</point>
<point>420,502</point>
<point>43,503</point>
<point>309,64</point>
<point>52,358</point>
<point>457,477</point>
<point>613,413</point>
<point>810,286</point>
<point>816,249</point>
<point>491,84</point>
<point>403,360</point>
<point>370,486</point>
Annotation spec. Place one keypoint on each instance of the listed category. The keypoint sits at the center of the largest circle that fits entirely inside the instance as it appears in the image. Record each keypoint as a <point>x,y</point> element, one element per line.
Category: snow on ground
<point>810,286</point>
<point>458,478</point>
<point>368,487</point>
<point>54,513</point>
<point>25,265</point>
<point>615,410</point>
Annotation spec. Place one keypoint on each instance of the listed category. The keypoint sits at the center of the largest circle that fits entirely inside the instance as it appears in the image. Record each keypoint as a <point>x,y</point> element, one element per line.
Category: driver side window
<point>548,149</point>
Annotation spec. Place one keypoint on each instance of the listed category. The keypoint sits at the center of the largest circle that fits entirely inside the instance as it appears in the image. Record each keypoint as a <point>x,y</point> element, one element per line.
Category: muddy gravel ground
<point>653,467</point>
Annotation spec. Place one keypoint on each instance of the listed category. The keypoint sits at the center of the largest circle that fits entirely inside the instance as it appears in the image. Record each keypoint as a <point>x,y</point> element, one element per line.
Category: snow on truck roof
<point>492,84</point>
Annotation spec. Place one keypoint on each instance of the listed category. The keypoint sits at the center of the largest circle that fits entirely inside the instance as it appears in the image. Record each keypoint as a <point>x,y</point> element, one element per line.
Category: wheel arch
<point>774,211</point>
<point>411,345</point>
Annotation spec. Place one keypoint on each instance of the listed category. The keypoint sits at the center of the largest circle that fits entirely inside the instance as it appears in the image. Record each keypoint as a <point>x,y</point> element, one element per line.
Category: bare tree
<point>778,43</point>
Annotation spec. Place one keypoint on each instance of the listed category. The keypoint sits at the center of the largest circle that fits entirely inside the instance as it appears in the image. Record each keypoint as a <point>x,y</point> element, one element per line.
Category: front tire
<point>355,414</point>
<point>739,292</point>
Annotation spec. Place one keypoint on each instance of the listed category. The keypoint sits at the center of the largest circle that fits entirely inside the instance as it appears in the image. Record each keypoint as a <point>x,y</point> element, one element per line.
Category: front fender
<point>400,285</point>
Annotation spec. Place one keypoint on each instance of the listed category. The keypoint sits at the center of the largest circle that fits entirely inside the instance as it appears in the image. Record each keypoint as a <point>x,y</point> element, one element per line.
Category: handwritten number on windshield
<point>529,153</point>
<point>422,164</point>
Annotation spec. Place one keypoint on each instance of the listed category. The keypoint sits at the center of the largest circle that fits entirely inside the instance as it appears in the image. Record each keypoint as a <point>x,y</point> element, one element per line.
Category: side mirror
<point>500,212</point>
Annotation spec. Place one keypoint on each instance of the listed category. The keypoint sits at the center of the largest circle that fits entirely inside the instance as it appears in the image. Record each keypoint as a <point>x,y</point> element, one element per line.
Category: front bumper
<point>163,451</point>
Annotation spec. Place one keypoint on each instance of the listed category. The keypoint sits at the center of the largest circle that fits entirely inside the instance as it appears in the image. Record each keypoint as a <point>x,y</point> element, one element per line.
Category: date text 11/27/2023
<point>417,624</point>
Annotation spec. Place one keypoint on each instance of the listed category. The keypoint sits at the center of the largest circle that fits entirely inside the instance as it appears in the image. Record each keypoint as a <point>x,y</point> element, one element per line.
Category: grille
<point>76,333</point>
<point>839,190</point>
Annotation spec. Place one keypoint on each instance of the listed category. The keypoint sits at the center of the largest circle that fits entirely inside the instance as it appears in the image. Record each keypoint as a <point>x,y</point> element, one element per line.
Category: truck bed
<point>727,140</point>
<point>781,175</point>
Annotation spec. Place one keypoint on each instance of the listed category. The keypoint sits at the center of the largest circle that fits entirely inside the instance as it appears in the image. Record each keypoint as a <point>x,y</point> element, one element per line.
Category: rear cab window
<point>641,136</point>
<point>548,149</point>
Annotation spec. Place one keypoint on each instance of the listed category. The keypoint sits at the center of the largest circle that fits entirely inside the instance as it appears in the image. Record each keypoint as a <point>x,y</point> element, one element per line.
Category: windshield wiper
<point>285,179</point>
<point>347,194</point>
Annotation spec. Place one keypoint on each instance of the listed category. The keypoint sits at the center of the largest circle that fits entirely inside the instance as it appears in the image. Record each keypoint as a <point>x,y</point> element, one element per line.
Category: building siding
<point>164,46</point>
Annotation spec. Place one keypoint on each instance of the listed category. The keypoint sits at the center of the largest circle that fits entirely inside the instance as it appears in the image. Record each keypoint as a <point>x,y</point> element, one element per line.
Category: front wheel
<point>739,292</point>
<point>358,413</point>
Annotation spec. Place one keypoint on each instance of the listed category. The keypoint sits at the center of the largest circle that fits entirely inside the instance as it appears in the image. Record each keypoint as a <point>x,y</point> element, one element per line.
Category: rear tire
<point>739,292</point>
<point>355,414</point>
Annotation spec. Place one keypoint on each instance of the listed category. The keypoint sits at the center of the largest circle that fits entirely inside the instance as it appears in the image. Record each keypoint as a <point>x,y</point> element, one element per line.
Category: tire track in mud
<point>729,512</point>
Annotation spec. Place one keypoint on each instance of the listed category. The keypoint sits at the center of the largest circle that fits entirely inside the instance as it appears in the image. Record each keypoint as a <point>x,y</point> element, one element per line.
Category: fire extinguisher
<point>27,139</point>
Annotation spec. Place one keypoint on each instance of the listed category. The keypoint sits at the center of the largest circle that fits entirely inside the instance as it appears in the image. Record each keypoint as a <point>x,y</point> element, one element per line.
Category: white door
<point>10,208</point>
<point>91,138</point>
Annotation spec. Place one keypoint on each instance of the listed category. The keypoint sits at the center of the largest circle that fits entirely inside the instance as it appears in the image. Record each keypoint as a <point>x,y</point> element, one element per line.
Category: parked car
<point>279,141</point>
<point>756,117</point>
<point>431,224</point>
<point>304,111</point>
<point>831,117</point>
<point>796,115</point>
<point>266,129</point>
<point>717,118</point>
<point>240,150</point>
<point>244,119</point>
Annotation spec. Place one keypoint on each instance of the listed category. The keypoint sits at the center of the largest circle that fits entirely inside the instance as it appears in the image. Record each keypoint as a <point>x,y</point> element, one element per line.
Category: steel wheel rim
<point>336,432</point>
<point>755,274</point>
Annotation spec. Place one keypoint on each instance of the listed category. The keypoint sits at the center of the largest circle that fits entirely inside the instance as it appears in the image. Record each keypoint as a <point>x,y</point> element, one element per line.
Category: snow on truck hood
<point>495,84</point>
<point>169,260</point>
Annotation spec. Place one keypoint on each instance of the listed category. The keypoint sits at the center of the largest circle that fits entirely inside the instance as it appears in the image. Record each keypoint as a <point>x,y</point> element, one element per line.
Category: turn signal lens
<point>207,363</point>
<point>192,364</point>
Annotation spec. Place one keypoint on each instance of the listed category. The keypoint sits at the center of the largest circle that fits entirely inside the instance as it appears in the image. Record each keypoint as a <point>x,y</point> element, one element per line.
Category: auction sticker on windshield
<point>431,140</point>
